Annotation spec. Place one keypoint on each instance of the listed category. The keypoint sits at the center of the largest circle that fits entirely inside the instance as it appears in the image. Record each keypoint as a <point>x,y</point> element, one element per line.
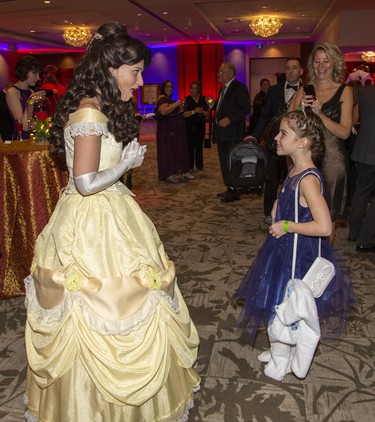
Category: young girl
<point>300,137</point>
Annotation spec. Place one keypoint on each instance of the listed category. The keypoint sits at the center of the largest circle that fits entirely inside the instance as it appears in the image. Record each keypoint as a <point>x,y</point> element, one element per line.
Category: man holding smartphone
<point>278,100</point>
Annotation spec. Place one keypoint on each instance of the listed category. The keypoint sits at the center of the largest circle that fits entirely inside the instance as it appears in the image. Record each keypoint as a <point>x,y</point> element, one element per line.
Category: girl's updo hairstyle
<point>113,47</point>
<point>311,127</point>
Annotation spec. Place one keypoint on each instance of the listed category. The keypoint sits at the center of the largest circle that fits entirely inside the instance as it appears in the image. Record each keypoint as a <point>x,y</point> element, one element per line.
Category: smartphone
<point>309,90</point>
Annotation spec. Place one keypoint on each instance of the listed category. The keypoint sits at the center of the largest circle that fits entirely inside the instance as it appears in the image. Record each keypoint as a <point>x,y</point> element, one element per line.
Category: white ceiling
<point>186,21</point>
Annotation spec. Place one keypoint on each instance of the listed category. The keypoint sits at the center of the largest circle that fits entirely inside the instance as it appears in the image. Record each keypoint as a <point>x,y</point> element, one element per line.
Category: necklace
<point>286,183</point>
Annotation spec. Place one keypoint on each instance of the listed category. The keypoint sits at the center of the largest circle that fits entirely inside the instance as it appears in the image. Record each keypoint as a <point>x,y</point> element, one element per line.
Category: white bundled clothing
<point>294,333</point>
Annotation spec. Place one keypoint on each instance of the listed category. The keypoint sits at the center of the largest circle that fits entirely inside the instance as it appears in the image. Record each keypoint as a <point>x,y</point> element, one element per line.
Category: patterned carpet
<point>213,245</point>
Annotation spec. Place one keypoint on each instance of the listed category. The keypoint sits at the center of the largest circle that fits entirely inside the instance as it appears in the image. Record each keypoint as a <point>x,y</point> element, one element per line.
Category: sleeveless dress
<point>24,96</point>
<point>335,166</point>
<point>108,335</point>
<point>264,284</point>
<point>171,142</point>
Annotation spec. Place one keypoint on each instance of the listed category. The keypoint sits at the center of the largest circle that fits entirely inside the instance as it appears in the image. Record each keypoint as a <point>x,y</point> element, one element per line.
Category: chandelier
<point>265,26</point>
<point>368,56</point>
<point>77,37</point>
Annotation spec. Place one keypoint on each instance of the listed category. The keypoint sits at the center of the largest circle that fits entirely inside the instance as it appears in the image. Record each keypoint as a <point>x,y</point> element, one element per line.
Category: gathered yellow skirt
<point>108,334</point>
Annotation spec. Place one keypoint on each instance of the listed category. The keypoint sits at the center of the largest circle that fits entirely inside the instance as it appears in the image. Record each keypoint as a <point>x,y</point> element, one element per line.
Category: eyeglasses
<point>220,72</point>
<point>169,86</point>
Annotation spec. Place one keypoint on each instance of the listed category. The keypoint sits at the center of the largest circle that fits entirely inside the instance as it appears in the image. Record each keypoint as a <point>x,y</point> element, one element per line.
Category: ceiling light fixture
<point>77,37</point>
<point>368,56</point>
<point>265,26</point>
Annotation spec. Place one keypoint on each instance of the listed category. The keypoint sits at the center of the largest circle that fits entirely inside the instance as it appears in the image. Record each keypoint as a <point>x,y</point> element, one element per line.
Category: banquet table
<point>30,185</point>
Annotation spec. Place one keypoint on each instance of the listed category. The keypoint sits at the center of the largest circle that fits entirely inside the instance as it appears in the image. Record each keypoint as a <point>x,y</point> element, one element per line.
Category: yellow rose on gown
<point>108,334</point>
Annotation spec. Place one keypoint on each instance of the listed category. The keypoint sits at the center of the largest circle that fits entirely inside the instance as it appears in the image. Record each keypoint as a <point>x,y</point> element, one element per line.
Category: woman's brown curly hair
<point>113,47</point>
<point>311,127</point>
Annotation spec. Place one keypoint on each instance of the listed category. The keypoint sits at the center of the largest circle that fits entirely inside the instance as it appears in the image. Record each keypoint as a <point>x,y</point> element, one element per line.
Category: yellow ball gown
<point>108,335</point>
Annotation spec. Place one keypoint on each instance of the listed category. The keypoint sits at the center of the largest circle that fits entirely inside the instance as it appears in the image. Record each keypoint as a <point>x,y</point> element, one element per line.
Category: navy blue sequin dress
<point>264,284</point>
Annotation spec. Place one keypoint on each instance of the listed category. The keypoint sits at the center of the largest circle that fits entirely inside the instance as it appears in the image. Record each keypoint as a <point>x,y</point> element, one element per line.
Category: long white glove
<point>132,156</point>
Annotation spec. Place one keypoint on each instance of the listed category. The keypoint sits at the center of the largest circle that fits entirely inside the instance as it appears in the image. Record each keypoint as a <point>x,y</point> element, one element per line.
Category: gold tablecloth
<point>30,184</point>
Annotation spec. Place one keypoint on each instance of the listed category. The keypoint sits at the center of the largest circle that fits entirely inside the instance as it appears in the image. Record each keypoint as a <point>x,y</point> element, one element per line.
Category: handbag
<point>322,270</point>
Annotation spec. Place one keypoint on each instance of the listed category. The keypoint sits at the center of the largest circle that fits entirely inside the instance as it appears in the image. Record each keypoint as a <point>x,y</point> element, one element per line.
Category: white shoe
<point>188,176</point>
<point>172,179</point>
<point>264,356</point>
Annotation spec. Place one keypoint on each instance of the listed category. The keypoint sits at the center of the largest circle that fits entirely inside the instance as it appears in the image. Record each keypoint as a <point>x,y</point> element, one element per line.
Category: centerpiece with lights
<point>39,115</point>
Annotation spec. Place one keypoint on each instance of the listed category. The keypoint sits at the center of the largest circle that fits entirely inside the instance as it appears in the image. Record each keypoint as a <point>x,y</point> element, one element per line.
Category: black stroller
<point>247,164</point>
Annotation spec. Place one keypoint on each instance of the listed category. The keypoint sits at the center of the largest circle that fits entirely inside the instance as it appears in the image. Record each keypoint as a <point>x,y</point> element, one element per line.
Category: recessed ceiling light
<point>165,13</point>
<point>47,2</point>
<point>139,14</point>
<point>32,30</point>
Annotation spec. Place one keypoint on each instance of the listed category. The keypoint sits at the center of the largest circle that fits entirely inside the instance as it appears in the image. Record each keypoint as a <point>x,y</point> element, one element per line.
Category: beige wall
<point>357,29</point>
<point>331,32</point>
<point>263,68</point>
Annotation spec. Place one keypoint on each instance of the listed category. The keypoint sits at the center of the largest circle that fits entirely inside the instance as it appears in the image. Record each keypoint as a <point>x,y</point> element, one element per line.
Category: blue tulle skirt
<point>264,284</point>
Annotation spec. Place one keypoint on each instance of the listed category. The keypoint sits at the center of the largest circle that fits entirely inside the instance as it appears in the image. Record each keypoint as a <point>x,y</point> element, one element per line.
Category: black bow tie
<point>295,87</point>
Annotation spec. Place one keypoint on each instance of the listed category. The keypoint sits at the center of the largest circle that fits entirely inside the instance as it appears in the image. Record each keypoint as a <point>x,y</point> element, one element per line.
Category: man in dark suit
<point>231,109</point>
<point>259,103</point>
<point>278,100</point>
<point>362,229</point>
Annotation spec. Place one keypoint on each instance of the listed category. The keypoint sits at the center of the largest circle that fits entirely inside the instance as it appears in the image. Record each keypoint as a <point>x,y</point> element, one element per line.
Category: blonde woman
<point>333,103</point>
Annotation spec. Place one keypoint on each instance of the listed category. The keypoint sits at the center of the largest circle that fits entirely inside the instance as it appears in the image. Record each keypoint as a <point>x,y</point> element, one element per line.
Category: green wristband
<point>285,226</point>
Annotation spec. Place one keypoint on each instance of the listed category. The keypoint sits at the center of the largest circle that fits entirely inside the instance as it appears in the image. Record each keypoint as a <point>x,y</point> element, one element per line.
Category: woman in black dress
<point>195,112</point>
<point>173,160</point>
<point>333,103</point>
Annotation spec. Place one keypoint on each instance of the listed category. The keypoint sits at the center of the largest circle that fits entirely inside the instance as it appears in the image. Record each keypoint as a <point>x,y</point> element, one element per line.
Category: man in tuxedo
<point>278,100</point>
<point>362,215</point>
<point>231,109</point>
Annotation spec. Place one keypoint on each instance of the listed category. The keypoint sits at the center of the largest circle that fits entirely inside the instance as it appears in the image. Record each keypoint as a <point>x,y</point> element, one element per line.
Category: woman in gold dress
<point>108,335</point>
<point>334,105</point>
